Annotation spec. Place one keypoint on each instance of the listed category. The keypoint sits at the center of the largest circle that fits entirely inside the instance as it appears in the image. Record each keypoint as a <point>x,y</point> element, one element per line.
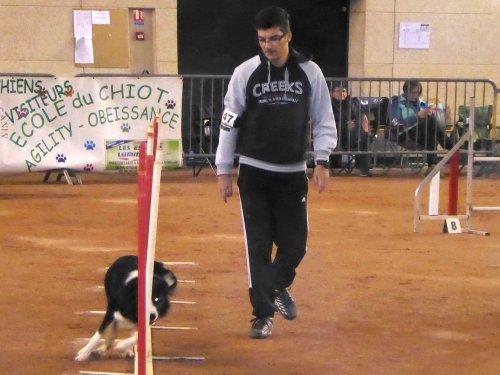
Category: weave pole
<point>149,175</point>
<point>143,207</point>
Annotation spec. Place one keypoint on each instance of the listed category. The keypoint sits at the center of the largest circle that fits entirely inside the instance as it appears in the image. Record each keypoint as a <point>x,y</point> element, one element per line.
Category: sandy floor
<point>373,297</point>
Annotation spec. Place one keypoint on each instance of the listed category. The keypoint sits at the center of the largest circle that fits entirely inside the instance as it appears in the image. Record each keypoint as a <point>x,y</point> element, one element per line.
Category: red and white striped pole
<point>147,223</point>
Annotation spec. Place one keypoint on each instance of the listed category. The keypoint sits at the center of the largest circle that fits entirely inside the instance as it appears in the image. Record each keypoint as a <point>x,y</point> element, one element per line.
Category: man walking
<point>270,100</point>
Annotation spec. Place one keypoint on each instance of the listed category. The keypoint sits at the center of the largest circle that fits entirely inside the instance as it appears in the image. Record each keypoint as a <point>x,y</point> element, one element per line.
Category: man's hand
<point>225,183</point>
<point>321,176</point>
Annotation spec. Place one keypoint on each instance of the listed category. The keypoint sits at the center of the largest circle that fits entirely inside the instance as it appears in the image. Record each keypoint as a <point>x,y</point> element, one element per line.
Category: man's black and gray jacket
<point>266,115</point>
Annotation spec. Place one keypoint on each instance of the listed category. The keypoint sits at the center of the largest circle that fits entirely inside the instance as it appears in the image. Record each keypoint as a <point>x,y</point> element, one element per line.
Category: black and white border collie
<point>120,284</point>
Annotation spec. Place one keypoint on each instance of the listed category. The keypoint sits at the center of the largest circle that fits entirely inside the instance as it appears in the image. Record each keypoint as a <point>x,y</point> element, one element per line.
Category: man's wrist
<point>223,169</point>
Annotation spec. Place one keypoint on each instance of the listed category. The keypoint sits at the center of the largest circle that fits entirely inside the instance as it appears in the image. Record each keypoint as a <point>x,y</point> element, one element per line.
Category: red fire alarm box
<point>139,35</point>
<point>138,17</point>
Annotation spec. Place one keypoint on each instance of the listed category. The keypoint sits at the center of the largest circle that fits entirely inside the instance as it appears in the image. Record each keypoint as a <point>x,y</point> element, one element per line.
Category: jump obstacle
<point>433,180</point>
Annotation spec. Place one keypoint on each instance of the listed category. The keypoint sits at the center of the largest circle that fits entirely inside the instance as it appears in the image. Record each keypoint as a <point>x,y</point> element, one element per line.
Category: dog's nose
<point>152,318</point>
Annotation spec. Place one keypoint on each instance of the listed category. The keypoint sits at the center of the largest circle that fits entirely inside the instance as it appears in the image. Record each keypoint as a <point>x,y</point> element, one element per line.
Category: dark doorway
<point>214,36</point>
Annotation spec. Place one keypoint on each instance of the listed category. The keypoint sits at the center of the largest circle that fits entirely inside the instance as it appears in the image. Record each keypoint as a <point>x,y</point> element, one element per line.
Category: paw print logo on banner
<point>89,145</point>
<point>125,127</point>
<point>61,158</point>
<point>88,167</point>
<point>69,92</point>
<point>23,113</point>
<point>42,92</point>
<point>170,104</point>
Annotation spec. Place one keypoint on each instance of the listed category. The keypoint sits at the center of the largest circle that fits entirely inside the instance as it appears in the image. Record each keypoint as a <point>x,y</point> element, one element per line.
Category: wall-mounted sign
<point>414,35</point>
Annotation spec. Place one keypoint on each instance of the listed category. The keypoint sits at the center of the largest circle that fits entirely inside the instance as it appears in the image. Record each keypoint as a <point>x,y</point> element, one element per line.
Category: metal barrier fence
<point>203,98</point>
<point>202,107</point>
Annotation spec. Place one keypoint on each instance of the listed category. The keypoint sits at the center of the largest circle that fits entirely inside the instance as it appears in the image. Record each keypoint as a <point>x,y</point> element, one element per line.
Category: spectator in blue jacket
<point>413,124</point>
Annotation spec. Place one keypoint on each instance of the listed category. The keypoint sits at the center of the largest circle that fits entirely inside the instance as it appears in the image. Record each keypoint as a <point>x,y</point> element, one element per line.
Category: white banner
<point>84,123</point>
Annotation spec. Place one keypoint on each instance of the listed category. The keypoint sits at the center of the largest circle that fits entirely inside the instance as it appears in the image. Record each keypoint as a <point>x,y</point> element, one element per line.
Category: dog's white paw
<point>82,355</point>
<point>126,346</point>
<point>85,352</point>
<point>102,350</point>
<point>128,353</point>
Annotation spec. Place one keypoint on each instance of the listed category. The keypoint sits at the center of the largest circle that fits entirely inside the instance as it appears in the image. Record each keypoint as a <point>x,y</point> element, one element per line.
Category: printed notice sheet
<point>414,35</point>
<point>84,51</point>
<point>101,17</point>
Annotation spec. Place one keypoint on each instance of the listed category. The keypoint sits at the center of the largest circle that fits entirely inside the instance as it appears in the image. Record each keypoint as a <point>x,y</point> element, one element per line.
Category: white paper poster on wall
<point>82,24</point>
<point>84,51</point>
<point>414,35</point>
<point>82,29</point>
<point>86,123</point>
<point>101,17</point>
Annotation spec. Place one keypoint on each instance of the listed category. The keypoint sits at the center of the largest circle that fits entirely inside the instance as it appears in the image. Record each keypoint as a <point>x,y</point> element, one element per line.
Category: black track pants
<point>274,207</point>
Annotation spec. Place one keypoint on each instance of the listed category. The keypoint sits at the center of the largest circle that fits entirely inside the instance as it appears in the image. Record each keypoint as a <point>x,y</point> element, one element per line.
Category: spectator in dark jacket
<point>352,127</point>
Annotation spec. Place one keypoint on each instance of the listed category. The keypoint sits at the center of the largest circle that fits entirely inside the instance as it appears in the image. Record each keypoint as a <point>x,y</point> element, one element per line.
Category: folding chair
<point>482,123</point>
<point>483,144</point>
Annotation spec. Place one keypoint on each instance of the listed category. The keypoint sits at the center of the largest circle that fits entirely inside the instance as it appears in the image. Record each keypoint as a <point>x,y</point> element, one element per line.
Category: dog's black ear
<point>171,280</point>
<point>166,274</point>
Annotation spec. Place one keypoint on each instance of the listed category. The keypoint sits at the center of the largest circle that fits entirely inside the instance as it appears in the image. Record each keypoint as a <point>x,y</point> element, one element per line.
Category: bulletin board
<point>110,42</point>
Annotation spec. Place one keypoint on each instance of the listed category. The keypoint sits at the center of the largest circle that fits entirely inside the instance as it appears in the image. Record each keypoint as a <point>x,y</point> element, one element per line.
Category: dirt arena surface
<point>373,297</point>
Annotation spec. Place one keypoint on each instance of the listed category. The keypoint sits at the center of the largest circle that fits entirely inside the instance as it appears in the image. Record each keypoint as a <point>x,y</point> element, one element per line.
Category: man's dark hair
<point>271,17</point>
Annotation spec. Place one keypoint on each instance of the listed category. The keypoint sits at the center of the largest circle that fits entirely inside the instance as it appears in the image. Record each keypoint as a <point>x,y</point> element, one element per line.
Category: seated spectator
<point>413,123</point>
<point>352,127</point>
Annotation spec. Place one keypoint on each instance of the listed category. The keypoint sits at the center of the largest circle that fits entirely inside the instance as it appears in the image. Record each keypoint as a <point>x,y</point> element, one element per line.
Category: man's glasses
<point>271,40</point>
